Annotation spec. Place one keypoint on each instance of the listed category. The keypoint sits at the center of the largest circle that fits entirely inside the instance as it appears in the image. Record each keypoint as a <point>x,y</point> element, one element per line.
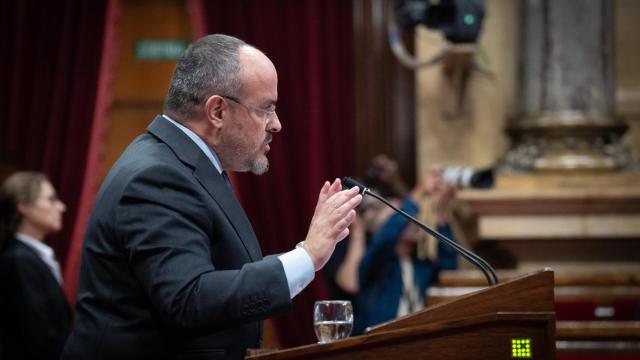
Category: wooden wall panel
<point>627,47</point>
<point>384,92</point>
<point>126,123</point>
<point>143,81</point>
<point>140,86</point>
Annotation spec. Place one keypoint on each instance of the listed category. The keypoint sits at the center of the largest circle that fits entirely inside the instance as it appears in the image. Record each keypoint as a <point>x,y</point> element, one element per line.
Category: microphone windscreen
<point>348,183</point>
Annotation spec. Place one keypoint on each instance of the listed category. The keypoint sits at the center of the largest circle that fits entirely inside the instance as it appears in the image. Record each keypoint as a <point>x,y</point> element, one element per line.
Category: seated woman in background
<point>392,278</point>
<point>34,315</point>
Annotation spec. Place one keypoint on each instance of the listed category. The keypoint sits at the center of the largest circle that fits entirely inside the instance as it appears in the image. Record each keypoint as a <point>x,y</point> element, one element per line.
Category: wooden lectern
<point>512,320</point>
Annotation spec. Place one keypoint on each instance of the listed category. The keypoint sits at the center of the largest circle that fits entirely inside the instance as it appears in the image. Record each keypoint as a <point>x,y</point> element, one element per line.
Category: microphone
<point>473,258</point>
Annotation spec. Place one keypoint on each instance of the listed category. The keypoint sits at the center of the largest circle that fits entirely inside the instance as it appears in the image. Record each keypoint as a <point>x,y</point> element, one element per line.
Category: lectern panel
<point>500,336</point>
<point>512,320</point>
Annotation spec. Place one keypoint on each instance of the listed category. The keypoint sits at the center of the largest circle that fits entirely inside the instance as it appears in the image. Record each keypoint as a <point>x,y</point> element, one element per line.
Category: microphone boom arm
<point>481,263</point>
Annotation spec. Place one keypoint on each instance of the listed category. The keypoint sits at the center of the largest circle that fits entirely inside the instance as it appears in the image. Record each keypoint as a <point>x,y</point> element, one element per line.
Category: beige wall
<point>476,136</point>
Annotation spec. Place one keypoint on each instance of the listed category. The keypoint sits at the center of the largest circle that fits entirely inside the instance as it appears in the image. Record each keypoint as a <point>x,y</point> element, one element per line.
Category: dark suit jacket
<point>35,318</point>
<point>171,267</point>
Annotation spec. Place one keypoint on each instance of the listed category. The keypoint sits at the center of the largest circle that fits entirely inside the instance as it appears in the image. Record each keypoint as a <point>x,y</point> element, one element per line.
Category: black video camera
<point>459,20</point>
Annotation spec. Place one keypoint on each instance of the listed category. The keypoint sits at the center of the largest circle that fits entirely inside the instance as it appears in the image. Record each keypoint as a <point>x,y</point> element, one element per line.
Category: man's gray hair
<point>208,67</point>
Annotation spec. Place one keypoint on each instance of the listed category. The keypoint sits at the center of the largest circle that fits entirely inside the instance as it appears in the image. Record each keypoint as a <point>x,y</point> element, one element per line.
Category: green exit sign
<point>155,50</point>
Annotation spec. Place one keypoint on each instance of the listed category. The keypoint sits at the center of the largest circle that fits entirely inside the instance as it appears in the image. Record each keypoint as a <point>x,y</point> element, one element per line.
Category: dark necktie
<point>226,179</point>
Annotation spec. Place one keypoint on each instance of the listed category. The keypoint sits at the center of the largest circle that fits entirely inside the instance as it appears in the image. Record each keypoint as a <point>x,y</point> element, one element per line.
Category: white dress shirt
<point>297,264</point>
<point>410,301</point>
<point>45,252</point>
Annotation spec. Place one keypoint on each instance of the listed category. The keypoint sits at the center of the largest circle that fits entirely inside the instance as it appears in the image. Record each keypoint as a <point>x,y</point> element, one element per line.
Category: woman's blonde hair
<point>21,187</point>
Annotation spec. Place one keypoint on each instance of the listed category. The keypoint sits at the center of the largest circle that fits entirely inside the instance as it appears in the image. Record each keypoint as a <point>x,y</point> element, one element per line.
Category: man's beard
<point>259,165</point>
<point>235,148</point>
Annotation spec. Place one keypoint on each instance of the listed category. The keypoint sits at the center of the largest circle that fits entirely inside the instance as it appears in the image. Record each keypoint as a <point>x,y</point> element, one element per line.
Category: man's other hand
<point>331,219</point>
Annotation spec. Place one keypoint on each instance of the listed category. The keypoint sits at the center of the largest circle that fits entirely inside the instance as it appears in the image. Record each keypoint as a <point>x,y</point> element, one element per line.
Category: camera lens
<point>467,177</point>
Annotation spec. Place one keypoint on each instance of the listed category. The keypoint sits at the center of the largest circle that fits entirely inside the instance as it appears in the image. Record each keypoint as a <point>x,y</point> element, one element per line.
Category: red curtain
<point>49,113</point>
<point>310,43</point>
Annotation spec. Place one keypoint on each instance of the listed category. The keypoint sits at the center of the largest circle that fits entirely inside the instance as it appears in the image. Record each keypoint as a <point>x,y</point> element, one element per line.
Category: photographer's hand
<point>428,184</point>
<point>441,199</point>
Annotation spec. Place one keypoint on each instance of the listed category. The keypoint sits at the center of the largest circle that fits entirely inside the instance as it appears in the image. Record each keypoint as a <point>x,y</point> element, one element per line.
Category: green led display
<point>469,19</point>
<point>521,348</point>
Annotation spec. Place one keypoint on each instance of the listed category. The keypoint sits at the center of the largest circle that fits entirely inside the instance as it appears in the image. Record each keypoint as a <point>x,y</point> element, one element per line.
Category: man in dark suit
<point>171,267</point>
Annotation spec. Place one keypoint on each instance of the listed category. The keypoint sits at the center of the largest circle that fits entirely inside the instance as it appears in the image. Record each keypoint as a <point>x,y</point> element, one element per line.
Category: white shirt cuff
<point>298,268</point>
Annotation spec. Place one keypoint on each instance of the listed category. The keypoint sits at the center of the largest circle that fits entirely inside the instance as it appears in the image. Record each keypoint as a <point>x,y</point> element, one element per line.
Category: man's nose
<point>274,125</point>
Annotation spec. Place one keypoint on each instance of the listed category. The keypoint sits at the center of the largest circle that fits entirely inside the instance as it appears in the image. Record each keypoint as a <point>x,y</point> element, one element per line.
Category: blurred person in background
<point>392,278</point>
<point>35,317</point>
<point>342,269</point>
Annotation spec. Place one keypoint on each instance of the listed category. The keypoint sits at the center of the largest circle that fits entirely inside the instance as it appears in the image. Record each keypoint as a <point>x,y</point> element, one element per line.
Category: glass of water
<point>332,320</point>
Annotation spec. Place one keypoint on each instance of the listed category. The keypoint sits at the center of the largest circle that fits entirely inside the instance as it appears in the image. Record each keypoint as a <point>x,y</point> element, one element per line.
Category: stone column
<point>566,114</point>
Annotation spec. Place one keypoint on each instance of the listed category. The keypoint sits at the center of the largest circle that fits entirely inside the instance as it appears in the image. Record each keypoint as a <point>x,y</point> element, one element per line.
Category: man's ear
<point>214,107</point>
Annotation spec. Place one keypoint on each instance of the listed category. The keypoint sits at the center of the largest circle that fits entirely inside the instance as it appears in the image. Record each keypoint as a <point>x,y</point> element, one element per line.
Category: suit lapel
<point>212,181</point>
<point>221,193</point>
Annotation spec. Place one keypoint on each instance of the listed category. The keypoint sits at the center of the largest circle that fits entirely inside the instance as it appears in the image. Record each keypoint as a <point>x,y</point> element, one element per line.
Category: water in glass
<point>332,320</point>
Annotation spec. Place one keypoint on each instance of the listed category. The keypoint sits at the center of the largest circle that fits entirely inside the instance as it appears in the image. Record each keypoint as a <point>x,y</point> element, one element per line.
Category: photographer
<point>342,268</point>
<point>392,278</point>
